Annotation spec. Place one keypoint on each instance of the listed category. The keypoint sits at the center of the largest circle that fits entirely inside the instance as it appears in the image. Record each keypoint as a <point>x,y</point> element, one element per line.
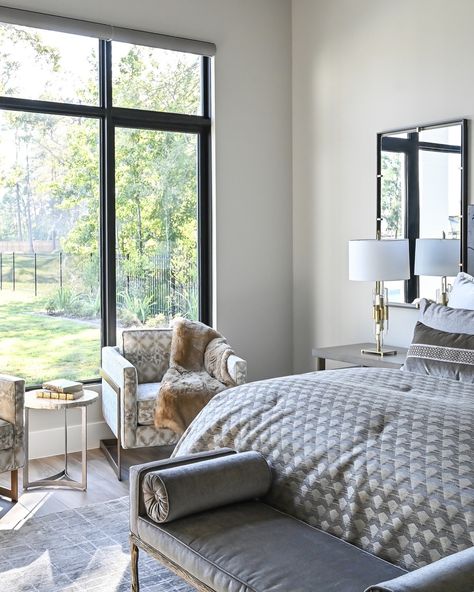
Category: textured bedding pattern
<point>381,458</point>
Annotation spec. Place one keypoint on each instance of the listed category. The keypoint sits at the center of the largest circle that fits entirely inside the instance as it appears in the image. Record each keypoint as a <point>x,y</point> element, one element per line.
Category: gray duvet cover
<point>381,458</point>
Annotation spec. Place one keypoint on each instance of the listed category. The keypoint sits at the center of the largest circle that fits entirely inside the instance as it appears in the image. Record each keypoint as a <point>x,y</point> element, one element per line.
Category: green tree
<point>49,184</point>
<point>392,195</point>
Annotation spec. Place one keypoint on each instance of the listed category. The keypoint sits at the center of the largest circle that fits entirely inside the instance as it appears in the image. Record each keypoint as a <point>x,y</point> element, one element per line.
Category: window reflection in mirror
<point>394,201</point>
<point>421,194</point>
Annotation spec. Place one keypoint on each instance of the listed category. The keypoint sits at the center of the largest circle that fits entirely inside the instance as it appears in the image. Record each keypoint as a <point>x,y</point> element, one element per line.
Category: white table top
<point>34,402</point>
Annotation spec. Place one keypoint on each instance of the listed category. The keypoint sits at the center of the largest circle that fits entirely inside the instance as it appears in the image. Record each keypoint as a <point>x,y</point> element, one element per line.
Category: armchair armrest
<point>116,369</point>
<point>119,377</point>
<point>138,472</point>
<point>453,573</point>
<point>12,400</point>
<point>237,369</point>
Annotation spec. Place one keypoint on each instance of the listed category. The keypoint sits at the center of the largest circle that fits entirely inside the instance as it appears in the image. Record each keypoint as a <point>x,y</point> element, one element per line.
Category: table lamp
<point>375,260</point>
<point>438,257</point>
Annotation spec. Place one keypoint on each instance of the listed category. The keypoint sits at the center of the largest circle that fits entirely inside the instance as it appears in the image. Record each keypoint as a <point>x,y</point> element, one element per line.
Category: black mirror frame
<point>411,286</point>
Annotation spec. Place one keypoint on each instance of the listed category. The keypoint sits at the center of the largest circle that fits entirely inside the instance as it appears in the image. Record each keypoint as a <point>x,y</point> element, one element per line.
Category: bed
<point>378,457</point>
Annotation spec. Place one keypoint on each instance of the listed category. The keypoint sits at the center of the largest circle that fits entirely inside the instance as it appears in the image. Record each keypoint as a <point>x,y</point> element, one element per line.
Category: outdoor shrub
<point>128,318</point>
<point>89,306</point>
<point>63,302</point>
<point>186,303</point>
<point>158,320</point>
<point>136,304</point>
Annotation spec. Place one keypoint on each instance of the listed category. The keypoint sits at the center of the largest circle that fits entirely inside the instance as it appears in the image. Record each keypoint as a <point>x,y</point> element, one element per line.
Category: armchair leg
<point>14,485</point>
<point>12,493</point>
<point>134,567</point>
<point>116,464</point>
<point>105,445</point>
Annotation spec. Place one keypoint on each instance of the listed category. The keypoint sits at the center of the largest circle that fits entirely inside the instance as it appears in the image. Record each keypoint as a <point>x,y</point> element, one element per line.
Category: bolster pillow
<point>179,491</point>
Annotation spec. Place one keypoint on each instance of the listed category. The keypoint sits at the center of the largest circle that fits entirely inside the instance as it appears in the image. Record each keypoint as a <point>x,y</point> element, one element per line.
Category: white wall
<point>253,158</point>
<point>360,68</point>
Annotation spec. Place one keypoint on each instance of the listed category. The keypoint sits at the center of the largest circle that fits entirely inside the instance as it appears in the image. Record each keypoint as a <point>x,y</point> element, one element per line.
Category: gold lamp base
<point>382,353</point>
<point>380,316</point>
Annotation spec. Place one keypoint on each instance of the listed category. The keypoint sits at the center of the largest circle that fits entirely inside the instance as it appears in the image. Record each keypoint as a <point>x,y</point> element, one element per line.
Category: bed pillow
<point>462,292</point>
<point>438,353</point>
<point>445,318</point>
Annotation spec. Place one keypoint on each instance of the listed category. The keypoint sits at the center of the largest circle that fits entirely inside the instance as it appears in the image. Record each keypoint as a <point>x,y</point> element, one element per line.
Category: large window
<point>104,196</point>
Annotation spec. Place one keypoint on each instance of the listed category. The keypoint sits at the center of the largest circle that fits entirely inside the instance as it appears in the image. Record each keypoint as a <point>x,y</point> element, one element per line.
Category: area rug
<point>81,550</point>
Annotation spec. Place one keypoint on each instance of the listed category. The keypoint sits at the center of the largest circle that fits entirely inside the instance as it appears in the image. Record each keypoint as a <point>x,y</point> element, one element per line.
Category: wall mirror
<point>422,193</point>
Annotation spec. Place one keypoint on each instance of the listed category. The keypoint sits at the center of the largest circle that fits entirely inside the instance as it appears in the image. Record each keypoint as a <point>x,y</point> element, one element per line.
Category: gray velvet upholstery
<point>454,573</point>
<point>213,482</point>
<point>439,353</point>
<point>252,547</point>
<point>12,400</point>
<point>138,473</point>
<point>445,318</point>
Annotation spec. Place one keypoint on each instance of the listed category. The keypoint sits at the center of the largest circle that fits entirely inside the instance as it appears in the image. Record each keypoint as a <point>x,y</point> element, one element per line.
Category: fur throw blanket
<point>197,372</point>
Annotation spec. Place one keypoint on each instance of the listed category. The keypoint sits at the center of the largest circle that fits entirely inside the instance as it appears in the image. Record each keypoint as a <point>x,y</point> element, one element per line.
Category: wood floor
<point>102,484</point>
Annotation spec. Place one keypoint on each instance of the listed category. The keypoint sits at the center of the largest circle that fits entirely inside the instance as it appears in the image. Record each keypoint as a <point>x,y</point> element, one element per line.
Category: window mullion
<point>204,202</point>
<point>107,230</point>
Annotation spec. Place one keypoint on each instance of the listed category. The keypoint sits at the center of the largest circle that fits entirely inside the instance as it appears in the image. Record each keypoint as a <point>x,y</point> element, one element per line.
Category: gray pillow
<point>450,355</point>
<point>445,318</point>
<point>179,491</point>
<point>462,292</point>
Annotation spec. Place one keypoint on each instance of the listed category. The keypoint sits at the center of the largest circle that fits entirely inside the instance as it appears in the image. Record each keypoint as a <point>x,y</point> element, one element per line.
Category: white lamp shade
<point>437,256</point>
<point>372,260</point>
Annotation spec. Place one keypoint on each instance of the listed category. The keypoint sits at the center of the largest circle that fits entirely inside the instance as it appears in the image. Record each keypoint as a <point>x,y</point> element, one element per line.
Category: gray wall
<point>252,155</point>
<point>360,68</point>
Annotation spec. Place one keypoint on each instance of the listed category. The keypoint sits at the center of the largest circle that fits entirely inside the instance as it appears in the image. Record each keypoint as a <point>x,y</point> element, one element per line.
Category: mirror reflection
<point>421,182</point>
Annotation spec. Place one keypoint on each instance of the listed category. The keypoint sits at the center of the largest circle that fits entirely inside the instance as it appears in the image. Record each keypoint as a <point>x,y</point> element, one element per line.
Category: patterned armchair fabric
<point>137,369</point>
<point>149,352</point>
<point>12,400</point>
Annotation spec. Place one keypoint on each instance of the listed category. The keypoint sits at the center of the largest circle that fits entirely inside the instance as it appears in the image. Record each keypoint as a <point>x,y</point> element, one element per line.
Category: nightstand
<point>351,354</point>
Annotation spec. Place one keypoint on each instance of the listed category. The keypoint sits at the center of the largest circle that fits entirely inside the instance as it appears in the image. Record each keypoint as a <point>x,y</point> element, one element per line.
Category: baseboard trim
<point>50,442</point>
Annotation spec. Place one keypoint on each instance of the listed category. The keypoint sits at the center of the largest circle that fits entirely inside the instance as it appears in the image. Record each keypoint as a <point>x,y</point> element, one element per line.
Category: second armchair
<point>12,453</point>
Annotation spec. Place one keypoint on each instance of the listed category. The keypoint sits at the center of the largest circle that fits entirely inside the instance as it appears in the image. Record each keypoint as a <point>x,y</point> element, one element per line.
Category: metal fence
<point>156,284</point>
<point>30,270</point>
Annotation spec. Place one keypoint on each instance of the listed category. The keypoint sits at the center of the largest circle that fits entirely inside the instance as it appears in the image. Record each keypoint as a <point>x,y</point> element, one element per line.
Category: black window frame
<point>411,146</point>
<point>110,118</point>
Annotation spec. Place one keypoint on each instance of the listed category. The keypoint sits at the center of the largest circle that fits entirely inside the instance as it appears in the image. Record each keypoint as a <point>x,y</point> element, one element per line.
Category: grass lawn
<point>37,347</point>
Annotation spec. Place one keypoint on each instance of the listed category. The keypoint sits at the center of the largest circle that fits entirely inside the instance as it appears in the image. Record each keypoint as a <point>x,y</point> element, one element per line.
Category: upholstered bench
<point>199,516</point>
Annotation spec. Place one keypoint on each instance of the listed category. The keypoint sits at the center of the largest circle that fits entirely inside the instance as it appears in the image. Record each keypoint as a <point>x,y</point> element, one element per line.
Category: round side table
<point>61,479</point>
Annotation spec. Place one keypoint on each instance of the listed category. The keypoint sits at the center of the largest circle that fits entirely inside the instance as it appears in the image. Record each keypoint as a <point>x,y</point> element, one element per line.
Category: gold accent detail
<point>380,317</point>
<point>443,294</point>
<point>382,354</point>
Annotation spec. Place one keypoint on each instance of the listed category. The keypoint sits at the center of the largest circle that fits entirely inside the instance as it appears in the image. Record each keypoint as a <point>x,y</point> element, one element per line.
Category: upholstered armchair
<point>132,375</point>
<point>12,454</point>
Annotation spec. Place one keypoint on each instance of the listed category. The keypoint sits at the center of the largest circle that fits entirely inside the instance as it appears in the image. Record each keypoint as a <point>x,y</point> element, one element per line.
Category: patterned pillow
<point>438,353</point>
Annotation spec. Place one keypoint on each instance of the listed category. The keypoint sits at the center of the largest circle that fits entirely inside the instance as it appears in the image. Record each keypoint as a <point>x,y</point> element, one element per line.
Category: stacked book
<point>68,390</point>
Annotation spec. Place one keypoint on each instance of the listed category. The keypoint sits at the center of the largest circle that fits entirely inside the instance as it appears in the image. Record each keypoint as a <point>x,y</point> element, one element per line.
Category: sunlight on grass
<point>37,347</point>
